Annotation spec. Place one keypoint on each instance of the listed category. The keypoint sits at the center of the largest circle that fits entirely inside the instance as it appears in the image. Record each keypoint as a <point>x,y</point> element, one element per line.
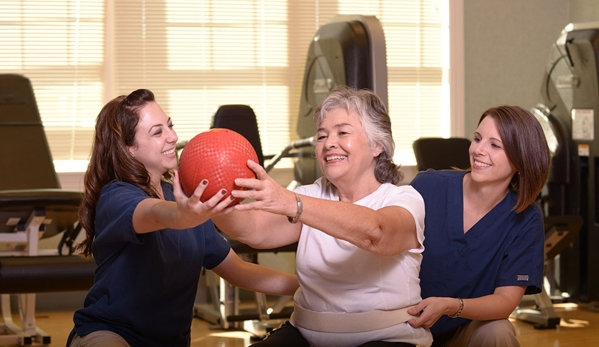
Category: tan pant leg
<point>495,333</point>
<point>101,338</point>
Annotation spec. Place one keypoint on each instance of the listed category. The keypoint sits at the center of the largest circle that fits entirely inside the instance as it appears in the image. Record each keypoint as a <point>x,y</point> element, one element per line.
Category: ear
<point>131,150</point>
<point>377,149</point>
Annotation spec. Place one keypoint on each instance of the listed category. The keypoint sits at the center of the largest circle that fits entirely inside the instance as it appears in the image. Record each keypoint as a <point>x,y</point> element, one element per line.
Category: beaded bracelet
<point>300,209</point>
<point>457,314</point>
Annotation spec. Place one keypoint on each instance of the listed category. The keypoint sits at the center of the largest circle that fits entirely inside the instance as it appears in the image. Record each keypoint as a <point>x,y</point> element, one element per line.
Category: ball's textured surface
<point>218,155</point>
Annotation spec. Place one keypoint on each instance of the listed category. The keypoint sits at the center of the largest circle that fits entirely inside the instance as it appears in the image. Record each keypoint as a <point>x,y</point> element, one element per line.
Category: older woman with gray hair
<point>360,235</point>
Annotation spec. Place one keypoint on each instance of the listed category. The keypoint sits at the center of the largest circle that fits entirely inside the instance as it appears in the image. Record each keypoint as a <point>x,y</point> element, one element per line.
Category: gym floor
<point>579,327</point>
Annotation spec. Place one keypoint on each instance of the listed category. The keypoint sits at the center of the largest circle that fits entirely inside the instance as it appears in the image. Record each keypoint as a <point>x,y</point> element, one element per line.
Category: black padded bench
<point>46,274</point>
<point>27,215</point>
<point>27,275</point>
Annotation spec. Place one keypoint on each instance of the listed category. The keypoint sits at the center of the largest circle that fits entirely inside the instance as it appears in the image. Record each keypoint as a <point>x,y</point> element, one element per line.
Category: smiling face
<point>487,155</point>
<point>155,141</point>
<point>342,149</point>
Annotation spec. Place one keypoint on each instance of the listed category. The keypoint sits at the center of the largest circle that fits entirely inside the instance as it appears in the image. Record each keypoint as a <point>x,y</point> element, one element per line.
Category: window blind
<point>196,55</point>
<point>58,46</point>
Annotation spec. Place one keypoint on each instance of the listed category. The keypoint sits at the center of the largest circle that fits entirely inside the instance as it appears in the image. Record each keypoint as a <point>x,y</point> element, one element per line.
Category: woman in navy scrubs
<point>149,239</point>
<point>484,233</point>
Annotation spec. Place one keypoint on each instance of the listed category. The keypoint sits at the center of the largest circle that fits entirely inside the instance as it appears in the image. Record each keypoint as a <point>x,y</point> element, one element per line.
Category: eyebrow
<point>492,138</point>
<point>335,126</point>
<point>159,125</point>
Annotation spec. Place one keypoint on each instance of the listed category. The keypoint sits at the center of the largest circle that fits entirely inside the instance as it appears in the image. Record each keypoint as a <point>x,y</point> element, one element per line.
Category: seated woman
<point>359,234</point>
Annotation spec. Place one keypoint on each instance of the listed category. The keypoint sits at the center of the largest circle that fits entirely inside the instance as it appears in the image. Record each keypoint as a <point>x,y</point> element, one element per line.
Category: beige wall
<point>584,11</point>
<point>506,45</point>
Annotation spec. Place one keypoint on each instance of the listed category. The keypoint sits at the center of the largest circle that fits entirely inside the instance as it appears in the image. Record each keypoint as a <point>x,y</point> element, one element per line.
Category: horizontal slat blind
<point>58,46</point>
<point>416,37</point>
<point>199,54</point>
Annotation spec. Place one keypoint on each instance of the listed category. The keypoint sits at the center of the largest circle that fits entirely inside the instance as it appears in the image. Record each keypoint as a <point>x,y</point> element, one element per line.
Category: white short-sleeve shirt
<point>337,276</point>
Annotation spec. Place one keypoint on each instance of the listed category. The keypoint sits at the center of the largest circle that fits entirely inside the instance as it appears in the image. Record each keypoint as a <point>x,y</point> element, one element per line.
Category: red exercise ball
<point>218,155</point>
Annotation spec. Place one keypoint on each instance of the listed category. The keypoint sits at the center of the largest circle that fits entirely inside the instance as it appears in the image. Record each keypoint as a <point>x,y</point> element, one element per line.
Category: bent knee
<point>498,333</point>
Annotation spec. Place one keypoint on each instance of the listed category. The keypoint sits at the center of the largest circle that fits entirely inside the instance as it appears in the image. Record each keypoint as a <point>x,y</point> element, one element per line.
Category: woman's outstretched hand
<point>192,207</point>
<point>268,195</point>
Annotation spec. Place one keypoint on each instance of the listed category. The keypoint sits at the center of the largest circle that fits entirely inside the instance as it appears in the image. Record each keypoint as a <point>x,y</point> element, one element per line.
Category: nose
<point>476,147</point>
<point>330,142</point>
<point>172,136</point>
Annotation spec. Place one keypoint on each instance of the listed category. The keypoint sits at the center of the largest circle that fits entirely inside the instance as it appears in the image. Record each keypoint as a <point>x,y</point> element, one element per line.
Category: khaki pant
<point>494,333</point>
<point>101,338</point>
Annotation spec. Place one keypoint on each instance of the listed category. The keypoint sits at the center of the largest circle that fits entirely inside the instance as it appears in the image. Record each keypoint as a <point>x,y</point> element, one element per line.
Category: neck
<point>485,194</point>
<point>158,188</point>
<point>358,191</point>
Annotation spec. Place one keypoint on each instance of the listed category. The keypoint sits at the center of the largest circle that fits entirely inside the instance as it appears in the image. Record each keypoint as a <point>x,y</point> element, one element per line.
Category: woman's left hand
<point>268,195</point>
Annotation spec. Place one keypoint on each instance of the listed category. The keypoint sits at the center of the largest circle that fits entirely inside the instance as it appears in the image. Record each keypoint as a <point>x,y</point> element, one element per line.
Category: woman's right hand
<point>266,194</point>
<point>192,208</point>
<point>261,220</point>
<point>185,212</point>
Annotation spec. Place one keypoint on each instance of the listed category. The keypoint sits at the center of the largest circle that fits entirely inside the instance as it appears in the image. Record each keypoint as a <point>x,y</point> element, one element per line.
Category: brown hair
<point>110,158</point>
<point>526,149</point>
<point>375,120</point>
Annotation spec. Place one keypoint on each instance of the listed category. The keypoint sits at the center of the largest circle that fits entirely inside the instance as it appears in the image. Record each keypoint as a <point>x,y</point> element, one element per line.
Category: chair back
<point>441,153</point>
<point>25,157</point>
<point>241,119</point>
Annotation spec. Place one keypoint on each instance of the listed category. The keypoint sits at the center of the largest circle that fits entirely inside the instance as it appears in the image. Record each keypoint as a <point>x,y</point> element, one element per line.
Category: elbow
<point>385,244</point>
<point>256,244</point>
<point>375,242</point>
<point>508,310</point>
<point>293,285</point>
<point>385,250</point>
<point>254,239</point>
<point>248,240</point>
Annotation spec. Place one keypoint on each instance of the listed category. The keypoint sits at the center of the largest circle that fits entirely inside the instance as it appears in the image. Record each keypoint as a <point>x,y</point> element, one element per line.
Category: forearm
<point>386,232</point>
<point>270,281</point>
<point>238,225</point>
<point>498,305</point>
<point>483,308</point>
<point>258,229</point>
<point>154,214</point>
<point>256,277</point>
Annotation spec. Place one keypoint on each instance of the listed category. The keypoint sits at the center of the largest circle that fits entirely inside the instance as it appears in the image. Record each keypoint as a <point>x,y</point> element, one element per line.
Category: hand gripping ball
<point>218,155</point>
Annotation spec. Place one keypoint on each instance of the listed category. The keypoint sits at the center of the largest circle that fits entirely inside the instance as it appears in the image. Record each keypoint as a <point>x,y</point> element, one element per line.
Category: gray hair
<point>372,113</point>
